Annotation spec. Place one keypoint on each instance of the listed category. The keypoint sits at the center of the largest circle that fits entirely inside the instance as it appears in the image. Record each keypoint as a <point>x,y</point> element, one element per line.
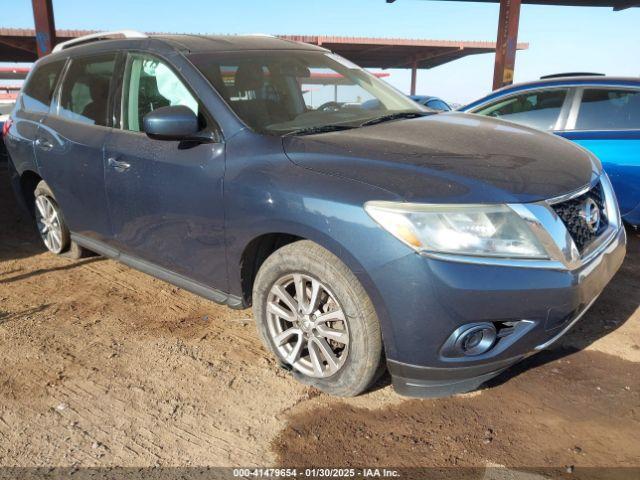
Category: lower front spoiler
<point>433,382</point>
<point>429,382</point>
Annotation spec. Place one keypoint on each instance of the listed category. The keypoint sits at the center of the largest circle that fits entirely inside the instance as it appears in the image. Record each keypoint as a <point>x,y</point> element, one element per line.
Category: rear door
<point>606,121</point>
<point>31,109</point>
<point>165,197</point>
<point>70,141</point>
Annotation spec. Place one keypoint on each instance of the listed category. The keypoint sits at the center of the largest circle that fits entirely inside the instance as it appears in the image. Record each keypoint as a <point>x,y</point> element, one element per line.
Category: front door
<point>165,197</point>
<point>69,144</point>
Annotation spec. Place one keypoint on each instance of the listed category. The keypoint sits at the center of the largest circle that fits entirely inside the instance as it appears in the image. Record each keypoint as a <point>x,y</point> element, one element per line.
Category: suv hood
<point>450,158</point>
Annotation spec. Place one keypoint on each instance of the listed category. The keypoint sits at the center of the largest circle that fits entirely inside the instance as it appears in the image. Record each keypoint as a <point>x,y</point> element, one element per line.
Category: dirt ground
<point>101,365</point>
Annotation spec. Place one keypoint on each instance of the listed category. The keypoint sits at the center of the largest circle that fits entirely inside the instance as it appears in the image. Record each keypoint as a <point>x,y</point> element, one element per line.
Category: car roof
<point>233,43</point>
<point>567,81</point>
<point>572,79</point>
<point>185,44</point>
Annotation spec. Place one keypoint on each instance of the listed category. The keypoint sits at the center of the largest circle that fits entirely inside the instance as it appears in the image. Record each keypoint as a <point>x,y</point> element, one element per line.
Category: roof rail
<point>572,74</point>
<point>98,36</point>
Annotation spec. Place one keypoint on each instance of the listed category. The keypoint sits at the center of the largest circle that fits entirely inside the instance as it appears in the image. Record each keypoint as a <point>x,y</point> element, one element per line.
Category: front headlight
<point>478,230</point>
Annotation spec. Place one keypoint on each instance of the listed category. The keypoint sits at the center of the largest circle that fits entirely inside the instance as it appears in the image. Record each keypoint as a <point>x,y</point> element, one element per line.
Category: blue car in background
<point>600,113</point>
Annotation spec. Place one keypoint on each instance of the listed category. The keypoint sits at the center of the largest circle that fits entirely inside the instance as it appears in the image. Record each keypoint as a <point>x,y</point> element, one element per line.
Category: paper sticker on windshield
<point>343,61</point>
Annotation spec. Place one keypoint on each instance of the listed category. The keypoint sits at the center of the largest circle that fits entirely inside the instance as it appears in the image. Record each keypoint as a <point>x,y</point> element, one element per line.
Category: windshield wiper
<point>394,116</point>
<point>319,129</point>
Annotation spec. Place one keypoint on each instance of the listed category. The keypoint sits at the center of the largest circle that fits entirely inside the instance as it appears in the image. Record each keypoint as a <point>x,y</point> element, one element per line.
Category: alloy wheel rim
<point>49,226</point>
<point>307,325</point>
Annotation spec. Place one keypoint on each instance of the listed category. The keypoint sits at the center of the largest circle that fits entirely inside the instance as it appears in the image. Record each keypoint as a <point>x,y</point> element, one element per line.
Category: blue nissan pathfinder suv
<point>365,231</point>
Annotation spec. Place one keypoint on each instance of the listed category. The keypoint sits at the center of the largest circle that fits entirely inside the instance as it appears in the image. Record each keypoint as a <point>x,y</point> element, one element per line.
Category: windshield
<point>279,92</point>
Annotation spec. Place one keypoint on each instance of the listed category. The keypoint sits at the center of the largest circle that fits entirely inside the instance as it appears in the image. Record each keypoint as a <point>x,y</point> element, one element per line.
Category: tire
<point>61,243</point>
<point>357,358</point>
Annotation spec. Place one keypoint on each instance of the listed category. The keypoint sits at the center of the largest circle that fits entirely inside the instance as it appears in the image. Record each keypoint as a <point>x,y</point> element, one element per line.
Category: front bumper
<point>549,301</point>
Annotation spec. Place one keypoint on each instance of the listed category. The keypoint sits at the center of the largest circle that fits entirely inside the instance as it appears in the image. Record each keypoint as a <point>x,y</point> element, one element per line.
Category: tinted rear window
<point>609,110</point>
<point>36,95</point>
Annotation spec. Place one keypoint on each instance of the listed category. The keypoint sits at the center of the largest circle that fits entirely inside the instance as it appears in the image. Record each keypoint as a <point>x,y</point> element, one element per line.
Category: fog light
<point>476,339</point>
<point>472,340</point>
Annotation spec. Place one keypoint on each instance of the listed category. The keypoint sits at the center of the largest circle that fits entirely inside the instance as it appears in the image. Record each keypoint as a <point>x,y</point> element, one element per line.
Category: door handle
<point>43,144</point>
<point>118,166</point>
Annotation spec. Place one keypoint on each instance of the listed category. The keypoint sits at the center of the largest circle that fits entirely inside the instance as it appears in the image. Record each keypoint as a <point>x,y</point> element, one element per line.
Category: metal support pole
<point>506,43</point>
<point>414,77</point>
<point>45,26</point>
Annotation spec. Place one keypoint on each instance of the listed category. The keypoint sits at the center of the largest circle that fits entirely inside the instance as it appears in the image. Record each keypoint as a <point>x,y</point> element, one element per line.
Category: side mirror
<point>174,123</point>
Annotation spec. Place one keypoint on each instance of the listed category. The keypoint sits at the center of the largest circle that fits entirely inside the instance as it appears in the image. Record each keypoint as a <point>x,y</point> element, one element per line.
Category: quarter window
<point>36,96</point>
<point>537,109</point>
<point>609,110</point>
<point>150,84</point>
<point>85,90</point>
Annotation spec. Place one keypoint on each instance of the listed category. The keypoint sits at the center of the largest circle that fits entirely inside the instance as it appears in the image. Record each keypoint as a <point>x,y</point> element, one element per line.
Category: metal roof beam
<point>45,26</point>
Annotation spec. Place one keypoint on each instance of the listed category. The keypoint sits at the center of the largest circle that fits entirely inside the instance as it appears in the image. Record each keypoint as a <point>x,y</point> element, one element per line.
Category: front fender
<point>269,194</point>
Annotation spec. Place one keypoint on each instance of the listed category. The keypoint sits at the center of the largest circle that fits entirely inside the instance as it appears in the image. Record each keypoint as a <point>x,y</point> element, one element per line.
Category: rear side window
<point>609,110</point>
<point>535,109</point>
<point>36,95</point>
<point>85,90</point>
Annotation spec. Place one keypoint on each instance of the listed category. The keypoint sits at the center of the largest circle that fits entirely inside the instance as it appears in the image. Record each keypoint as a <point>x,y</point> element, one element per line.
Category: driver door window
<point>150,84</point>
<point>534,109</point>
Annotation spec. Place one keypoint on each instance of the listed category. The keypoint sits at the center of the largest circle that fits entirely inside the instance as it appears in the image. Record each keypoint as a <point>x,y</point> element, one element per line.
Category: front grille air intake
<point>574,213</point>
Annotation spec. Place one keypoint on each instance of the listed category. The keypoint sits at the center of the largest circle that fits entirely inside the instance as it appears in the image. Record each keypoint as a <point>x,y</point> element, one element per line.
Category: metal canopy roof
<point>19,45</point>
<point>399,52</point>
<point>615,4</point>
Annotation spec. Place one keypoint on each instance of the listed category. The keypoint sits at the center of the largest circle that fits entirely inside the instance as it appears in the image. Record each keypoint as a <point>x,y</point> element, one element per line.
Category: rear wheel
<point>314,315</point>
<point>51,225</point>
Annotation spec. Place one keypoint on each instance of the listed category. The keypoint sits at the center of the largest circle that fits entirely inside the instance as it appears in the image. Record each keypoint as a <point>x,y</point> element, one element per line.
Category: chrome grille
<point>572,214</point>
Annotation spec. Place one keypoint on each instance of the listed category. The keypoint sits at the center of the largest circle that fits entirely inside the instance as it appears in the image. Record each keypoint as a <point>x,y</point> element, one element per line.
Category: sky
<point>561,39</point>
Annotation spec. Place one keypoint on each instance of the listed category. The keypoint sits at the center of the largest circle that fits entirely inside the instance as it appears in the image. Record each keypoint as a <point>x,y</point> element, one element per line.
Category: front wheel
<point>314,315</point>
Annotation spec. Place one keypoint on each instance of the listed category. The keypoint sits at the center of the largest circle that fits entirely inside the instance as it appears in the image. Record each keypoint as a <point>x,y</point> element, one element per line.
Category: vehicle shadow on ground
<point>8,316</point>
<point>72,264</point>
